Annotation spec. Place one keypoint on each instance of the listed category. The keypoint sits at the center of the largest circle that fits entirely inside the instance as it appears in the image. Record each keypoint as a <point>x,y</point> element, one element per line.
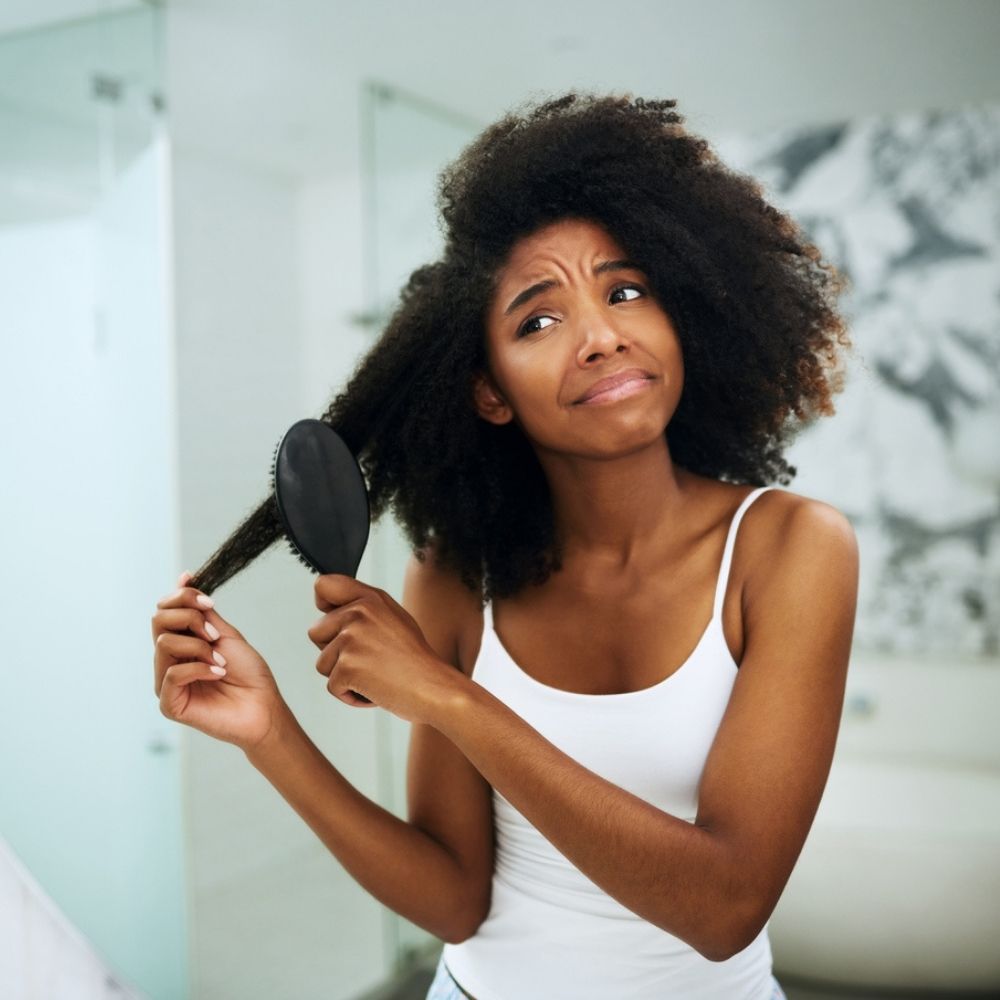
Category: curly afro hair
<point>754,305</point>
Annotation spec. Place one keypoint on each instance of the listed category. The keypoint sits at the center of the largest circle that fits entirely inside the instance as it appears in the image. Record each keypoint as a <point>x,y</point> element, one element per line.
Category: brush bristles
<point>274,489</point>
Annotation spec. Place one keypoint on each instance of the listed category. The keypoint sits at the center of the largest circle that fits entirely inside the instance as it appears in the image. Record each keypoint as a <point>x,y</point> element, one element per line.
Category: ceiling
<point>275,83</point>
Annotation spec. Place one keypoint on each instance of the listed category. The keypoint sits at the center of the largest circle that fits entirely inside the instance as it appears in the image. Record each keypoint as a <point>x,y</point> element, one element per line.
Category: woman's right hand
<point>239,707</point>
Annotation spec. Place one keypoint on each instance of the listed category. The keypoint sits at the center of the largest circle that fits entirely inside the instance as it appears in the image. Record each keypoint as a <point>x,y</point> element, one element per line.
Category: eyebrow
<point>542,286</point>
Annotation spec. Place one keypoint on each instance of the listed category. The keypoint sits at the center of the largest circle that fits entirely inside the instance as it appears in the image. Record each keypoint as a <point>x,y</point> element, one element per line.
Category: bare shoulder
<point>443,606</point>
<point>789,538</point>
<point>782,518</point>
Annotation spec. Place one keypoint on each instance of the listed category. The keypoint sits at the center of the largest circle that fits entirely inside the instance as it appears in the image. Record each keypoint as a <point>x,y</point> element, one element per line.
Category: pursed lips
<point>613,382</point>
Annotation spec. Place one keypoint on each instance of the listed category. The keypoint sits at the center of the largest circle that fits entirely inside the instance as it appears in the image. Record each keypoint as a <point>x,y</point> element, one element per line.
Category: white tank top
<point>551,933</point>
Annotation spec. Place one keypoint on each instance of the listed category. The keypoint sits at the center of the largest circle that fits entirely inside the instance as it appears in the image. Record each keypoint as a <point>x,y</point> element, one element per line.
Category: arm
<point>436,869</point>
<point>715,882</point>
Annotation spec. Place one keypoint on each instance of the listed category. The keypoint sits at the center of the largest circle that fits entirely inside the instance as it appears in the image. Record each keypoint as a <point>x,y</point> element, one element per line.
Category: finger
<point>214,625</point>
<point>335,589</point>
<point>182,675</point>
<point>183,579</point>
<point>188,648</point>
<point>179,619</point>
<point>327,664</point>
<point>340,690</point>
<point>336,620</point>
<point>186,596</point>
<point>172,648</point>
<point>356,700</point>
<point>327,660</point>
<point>223,627</point>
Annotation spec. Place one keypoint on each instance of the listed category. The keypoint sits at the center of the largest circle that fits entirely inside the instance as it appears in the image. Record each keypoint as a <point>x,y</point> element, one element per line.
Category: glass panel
<point>88,765</point>
<point>407,141</point>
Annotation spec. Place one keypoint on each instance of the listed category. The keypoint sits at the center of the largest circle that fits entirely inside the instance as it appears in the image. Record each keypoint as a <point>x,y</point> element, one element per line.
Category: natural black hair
<point>752,300</point>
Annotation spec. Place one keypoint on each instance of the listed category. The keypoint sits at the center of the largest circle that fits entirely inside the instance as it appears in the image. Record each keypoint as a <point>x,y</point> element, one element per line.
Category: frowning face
<point>571,310</point>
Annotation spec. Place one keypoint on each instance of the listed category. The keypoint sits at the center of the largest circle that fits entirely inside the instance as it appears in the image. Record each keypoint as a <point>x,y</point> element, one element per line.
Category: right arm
<point>400,864</point>
<point>434,869</point>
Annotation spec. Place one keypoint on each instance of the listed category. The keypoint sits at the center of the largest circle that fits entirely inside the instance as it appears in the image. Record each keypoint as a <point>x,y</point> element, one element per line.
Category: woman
<point>623,708</point>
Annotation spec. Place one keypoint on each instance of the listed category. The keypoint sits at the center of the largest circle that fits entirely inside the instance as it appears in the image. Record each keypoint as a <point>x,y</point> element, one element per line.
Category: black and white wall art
<point>908,208</point>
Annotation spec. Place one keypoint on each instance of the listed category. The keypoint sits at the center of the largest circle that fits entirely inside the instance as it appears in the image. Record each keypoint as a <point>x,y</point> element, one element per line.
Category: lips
<point>619,378</point>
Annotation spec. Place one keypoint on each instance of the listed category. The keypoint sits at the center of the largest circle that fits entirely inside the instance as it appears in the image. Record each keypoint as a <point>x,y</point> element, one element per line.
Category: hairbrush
<point>321,498</point>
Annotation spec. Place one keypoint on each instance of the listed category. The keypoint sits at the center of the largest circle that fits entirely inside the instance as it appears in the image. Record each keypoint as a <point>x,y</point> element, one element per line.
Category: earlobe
<point>490,405</point>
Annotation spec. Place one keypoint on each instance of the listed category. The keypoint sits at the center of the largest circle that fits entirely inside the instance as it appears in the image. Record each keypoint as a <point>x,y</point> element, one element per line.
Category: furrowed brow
<point>542,286</point>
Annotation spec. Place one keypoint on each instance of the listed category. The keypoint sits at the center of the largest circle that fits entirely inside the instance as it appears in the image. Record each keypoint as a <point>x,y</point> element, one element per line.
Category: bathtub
<point>898,884</point>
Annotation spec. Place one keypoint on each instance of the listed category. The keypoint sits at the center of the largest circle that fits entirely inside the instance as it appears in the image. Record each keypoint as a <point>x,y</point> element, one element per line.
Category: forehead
<point>568,240</point>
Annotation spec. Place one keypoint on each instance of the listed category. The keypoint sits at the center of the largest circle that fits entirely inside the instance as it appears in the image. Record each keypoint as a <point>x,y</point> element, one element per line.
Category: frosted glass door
<point>89,770</point>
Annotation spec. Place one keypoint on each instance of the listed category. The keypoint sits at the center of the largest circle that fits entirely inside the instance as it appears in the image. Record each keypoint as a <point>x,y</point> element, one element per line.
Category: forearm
<point>400,865</point>
<point>672,873</point>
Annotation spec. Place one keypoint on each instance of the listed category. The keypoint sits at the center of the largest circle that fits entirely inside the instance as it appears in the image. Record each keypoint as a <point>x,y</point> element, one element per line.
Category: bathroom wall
<point>907,206</point>
<point>90,796</point>
<point>276,289</point>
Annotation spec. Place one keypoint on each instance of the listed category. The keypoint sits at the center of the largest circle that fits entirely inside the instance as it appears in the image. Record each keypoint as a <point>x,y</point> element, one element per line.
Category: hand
<point>371,646</point>
<point>240,707</point>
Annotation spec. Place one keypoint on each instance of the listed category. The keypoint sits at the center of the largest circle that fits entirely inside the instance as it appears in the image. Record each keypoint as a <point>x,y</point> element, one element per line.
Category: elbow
<point>468,922</point>
<point>738,936</point>
<point>737,915</point>
<point>717,944</point>
<point>458,937</point>
<point>722,951</point>
<point>461,932</point>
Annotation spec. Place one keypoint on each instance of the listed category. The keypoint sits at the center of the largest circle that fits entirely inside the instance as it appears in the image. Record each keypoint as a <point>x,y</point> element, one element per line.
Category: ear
<point>489,401</point>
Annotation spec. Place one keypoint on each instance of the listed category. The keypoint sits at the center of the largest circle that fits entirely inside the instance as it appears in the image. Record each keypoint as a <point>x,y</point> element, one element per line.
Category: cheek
<point>674,353</point>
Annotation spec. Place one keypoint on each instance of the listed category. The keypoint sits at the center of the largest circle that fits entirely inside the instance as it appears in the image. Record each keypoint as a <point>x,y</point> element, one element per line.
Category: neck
<point>611,514</point>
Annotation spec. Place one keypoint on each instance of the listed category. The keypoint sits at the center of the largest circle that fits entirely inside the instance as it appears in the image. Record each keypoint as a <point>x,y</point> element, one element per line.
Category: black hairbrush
<point>321,498</point>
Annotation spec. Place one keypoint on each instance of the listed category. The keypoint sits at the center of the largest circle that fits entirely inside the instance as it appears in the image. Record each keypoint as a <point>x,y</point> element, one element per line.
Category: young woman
<point>623,654</point>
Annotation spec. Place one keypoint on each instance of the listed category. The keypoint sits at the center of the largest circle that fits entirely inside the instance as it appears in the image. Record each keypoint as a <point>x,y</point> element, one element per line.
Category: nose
<point>600,336</point>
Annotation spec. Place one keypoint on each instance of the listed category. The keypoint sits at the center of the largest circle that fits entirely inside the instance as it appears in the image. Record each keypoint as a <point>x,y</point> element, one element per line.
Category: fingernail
<point>205,601</point>
<point>212,630</point>
<point>218,671</point>
<point>218,657</point>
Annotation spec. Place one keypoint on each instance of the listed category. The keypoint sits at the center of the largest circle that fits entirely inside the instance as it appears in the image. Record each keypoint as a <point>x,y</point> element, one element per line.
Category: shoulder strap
<point>727,552</point>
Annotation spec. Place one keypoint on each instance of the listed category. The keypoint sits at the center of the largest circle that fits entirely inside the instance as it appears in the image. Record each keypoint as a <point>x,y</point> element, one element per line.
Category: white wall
<point>274,913</point>
<point>90,783</point>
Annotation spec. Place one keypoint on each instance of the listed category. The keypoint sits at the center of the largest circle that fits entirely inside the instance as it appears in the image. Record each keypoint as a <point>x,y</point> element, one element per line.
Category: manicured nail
<point>218,671</point>
<point>205,601</point>
<point>212,630</point>
<point>218,657</point>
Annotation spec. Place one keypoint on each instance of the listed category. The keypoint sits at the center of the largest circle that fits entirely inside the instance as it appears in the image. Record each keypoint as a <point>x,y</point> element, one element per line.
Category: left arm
<point>713,883</point>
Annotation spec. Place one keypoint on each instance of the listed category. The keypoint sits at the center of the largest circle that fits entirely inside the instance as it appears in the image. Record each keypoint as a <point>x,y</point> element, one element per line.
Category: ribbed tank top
<point>552,933</point>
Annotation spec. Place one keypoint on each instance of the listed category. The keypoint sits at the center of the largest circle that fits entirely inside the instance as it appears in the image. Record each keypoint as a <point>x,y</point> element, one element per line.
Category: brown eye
<point>524,327</point>
<point>629,288</point>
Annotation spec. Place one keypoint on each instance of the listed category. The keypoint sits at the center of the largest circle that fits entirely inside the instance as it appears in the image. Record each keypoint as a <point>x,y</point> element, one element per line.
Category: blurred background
<point>206,210</point>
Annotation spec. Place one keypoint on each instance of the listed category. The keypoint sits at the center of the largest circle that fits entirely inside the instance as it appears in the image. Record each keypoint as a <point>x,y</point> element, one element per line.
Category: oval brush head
<point>321,498</point>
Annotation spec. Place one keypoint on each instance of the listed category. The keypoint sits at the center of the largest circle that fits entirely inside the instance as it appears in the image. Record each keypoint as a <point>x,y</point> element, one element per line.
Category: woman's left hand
<point>371,645</point>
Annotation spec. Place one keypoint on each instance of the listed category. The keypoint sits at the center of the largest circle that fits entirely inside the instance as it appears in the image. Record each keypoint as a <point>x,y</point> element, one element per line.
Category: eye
<point>523,329</point>
<point>629,288</point>
<point>526,327</point>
